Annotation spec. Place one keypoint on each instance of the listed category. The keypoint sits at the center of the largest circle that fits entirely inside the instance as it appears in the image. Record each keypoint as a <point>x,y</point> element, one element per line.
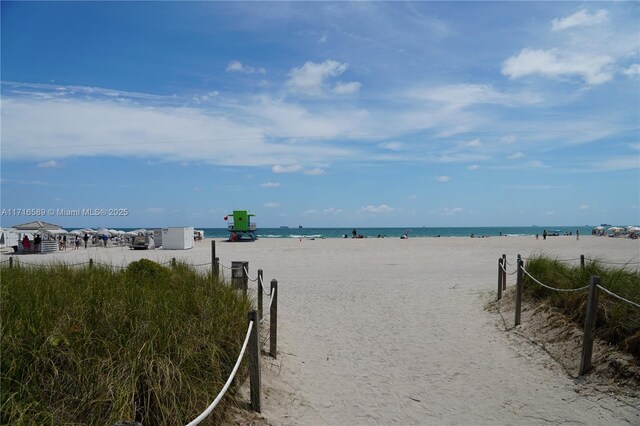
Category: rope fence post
<point>582,261</point>
<point>589,325</point>
<point>519,291</point>
<point>499,278</point>
<point>214,263</point>
<point>260,290</point>
<point>10,262</point>
<point>216,268</point>
<point>254,361</point>
<point>504,271</point>
<point>273,320</point>
<point>173,262</point>
<point>91,263</point>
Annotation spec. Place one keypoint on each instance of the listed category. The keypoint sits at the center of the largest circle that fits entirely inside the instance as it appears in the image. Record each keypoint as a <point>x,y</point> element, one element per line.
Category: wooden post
<point>214,263</point>
<point>519,291</point>
<point>260,291</point>
<point>254,361</point>
<point>582,261</point>
<point>504,271</point>
<point>10,262</point>
<point>589,325</point>
<point>499,278</point>
<point>216,268</point>
<point>90,263</point>
<point>273,320</point>
<point>173,262</point>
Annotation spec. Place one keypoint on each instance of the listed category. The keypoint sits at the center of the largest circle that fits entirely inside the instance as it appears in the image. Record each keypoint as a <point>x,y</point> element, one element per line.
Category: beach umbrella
<point>615,229</point>
<point>599,228</point>
<point>76,232</point>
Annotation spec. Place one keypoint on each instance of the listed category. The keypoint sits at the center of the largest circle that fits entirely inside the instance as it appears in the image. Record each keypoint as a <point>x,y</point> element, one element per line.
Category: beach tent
<point>38,226</point>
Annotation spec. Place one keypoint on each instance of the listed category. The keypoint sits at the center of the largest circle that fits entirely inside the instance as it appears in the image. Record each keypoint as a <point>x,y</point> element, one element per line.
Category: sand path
<point>390,331</point>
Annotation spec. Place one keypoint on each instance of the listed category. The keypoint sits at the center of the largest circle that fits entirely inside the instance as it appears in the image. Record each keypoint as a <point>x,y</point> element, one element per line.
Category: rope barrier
<point>271,301</point>
<point>554,288</point>
<point>612,263</point>
<point>264,290</point>
<point>202,264</point>
<point>215,402</point>
<point>619,297</point>
<point>508,273</point>
<point>246,271</point>
<point>230,268</point>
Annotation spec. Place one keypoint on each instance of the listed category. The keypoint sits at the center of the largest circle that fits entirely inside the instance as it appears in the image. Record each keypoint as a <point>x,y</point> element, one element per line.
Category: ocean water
<point>397,232</point>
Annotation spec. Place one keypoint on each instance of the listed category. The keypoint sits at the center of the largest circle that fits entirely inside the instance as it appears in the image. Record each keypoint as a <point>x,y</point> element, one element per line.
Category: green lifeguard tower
<point>241,228</point>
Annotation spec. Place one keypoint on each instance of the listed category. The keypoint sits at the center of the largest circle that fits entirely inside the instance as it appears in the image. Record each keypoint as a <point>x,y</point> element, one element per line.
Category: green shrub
<point>98,346</point>
<point>616,322</point>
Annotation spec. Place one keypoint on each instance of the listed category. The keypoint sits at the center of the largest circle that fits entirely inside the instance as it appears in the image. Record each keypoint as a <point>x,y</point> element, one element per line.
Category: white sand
<point>387,331</point>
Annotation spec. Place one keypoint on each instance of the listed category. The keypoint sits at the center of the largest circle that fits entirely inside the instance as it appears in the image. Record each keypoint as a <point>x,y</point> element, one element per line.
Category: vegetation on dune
<point>617,322</point>
<point>98,346</point>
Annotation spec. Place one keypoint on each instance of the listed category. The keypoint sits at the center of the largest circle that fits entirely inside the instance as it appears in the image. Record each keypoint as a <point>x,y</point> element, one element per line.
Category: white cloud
<point>579,19</point>
<point>382,208</point>
<point>459,96</point>
<point>347,88</point>
<point>293,168</point>
<point>509,139</point>
<point>584,207</point>
<point>314,172</point>
<point>632,71</point>
<point>311,78</point>
<point>449,211</point>
<point>51,164</point>
<point>592,68</point>
<point>474,143</point>
<point>617,163</point>
<point>443,178</point>
<point>537,164</point>
<point>392,146</point>
<point>331,211</point>
<point>271,205</point>
<point>550,213</point>
<point>237,66</point>
<point>270,185</point>
<point>473,167</point>
<point>516,156</point>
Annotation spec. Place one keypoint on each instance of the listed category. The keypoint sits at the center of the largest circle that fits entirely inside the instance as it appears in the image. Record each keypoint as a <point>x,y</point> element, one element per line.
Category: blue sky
<point>322,114</point>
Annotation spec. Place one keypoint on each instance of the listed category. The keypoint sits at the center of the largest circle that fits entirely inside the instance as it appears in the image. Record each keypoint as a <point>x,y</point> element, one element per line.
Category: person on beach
<point>36,243</point>
<point>354,232</point>
<point>577,234</point>
<point>77,242</point>
<point>86,240</point>
<point>25,243</point>
<point>544,234</point>
<point>64,242</point>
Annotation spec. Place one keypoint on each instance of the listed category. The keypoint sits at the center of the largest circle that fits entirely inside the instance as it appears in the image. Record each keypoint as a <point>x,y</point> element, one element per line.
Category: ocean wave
<point>306,236</point>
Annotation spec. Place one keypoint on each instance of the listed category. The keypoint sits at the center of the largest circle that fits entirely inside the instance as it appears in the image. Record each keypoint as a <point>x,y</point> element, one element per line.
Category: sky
<point>320,114</point>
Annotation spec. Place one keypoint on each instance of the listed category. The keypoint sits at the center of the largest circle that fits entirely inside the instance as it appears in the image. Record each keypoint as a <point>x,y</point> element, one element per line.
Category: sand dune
<point>390,331</point>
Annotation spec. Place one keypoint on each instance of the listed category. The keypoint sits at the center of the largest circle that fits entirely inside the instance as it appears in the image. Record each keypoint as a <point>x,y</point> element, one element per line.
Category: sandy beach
<point>390,331</point>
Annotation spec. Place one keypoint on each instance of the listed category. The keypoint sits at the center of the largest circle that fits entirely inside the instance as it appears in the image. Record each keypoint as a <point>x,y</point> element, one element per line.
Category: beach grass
<point>99,345</point>
<point>617,322</point>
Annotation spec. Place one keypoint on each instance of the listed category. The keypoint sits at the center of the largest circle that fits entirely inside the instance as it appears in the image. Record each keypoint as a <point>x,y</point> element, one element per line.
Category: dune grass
<point>98,346</point>
<point>617,322</point>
